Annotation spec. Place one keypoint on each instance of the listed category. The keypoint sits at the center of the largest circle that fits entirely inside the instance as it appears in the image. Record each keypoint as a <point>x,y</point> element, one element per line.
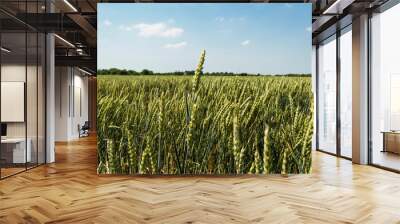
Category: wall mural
<point>199,121</point>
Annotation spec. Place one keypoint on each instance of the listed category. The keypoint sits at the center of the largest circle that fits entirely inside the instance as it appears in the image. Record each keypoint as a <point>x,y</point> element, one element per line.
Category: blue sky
<point>253,38</point>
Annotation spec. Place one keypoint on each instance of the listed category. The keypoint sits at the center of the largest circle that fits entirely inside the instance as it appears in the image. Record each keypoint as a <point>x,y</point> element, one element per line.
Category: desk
<point>391,141</point>
<point>13,150</point>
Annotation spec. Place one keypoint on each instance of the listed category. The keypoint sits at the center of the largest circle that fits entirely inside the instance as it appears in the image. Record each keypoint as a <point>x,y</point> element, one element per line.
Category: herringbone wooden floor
<point>69,191</point>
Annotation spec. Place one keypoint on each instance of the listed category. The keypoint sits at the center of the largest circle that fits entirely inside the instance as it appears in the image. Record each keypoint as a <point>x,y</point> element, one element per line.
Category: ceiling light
<point>70,5</point>
<point>65,41</point>
<point>86,72</point>
<point>79,51</point>
<point>337,7</point>
<point>5,50</point>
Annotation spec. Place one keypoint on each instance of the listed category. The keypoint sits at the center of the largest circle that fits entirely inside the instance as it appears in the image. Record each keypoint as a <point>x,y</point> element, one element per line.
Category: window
<point>385,89</point>
<point>327,95</point>
<point>346,92</point>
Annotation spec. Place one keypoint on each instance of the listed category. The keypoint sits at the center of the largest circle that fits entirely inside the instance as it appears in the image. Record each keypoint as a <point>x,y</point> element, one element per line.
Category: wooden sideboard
<point>391,141</point>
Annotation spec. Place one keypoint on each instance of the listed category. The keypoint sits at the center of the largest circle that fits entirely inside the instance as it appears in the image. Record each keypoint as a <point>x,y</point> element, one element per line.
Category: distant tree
<point>100,72</point>
<point>123,72</point>
<point>133,72</point>
<point>116,71</point>
<point>146,72</point>
<point>190,73</point>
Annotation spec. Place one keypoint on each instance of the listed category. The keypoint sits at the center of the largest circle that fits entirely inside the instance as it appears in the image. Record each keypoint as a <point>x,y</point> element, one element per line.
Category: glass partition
<point>22,77</point>
<point>327,95</point>
<point>14,153</point>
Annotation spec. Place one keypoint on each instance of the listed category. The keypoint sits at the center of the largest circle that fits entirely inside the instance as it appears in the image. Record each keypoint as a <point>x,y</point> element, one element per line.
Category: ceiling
<point>75,22</point>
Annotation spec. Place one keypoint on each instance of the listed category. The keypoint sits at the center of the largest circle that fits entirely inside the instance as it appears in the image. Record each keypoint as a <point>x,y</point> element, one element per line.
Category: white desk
<point>18,149</point>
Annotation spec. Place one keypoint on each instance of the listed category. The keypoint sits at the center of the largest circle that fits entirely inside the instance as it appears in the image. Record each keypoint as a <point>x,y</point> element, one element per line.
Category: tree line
<point>116,71</point>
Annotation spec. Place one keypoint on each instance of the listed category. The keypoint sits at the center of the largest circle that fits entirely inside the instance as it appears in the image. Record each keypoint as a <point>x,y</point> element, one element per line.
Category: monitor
<point>3,129</point>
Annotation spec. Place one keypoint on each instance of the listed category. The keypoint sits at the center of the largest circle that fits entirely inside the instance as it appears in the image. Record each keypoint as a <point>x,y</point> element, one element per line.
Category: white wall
<point>80,89</point>
<point>33,127</point>
<point>70,83</point>
<point>12,73</point>
<point>62,82</point>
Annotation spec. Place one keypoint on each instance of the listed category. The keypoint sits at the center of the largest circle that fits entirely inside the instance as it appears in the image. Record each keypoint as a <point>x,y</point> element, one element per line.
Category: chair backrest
<point>86,125</point>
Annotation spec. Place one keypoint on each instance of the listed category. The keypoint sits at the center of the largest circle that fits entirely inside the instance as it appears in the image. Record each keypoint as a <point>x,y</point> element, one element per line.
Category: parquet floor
<point>69,191</point>
<point>11,170</point>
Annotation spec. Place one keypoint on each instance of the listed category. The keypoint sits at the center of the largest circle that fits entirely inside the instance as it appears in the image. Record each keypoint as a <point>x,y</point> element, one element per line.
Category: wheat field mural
<point>204,124</point>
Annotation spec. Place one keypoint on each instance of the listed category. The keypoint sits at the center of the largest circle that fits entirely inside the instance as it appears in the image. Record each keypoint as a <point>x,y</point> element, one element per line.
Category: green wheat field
<point>221,125</point>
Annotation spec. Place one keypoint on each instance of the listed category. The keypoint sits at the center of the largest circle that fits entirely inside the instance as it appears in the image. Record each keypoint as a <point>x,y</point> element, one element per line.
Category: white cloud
<point>107,22</point>
<point>309,29</point>
<point>126,28</point>
<point>230,19</point>
<point>220,19</point>
<point>157,30</point>
<point>245,43</point>
<point>176,45</point>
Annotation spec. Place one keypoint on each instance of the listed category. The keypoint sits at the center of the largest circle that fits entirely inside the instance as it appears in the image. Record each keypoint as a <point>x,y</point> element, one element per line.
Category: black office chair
<point>84,130</point>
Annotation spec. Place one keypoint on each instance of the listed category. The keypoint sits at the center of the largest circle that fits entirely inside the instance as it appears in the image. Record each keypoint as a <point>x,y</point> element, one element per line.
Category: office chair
<point>84,130</point>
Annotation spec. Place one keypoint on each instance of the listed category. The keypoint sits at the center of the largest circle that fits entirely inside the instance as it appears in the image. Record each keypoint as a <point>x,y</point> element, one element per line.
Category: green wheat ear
<point>147,165</point>
<point>266,150</point>
<point>132,152</point>
<point>284,163</point>
<point>198,72</point>
<point>236,143</point>
<point>110,156</point>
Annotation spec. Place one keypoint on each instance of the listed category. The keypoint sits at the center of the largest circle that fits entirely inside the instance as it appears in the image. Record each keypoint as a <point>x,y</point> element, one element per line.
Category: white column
<point>50,99</point>
<point>314,90</point>
<point>360,90</point>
